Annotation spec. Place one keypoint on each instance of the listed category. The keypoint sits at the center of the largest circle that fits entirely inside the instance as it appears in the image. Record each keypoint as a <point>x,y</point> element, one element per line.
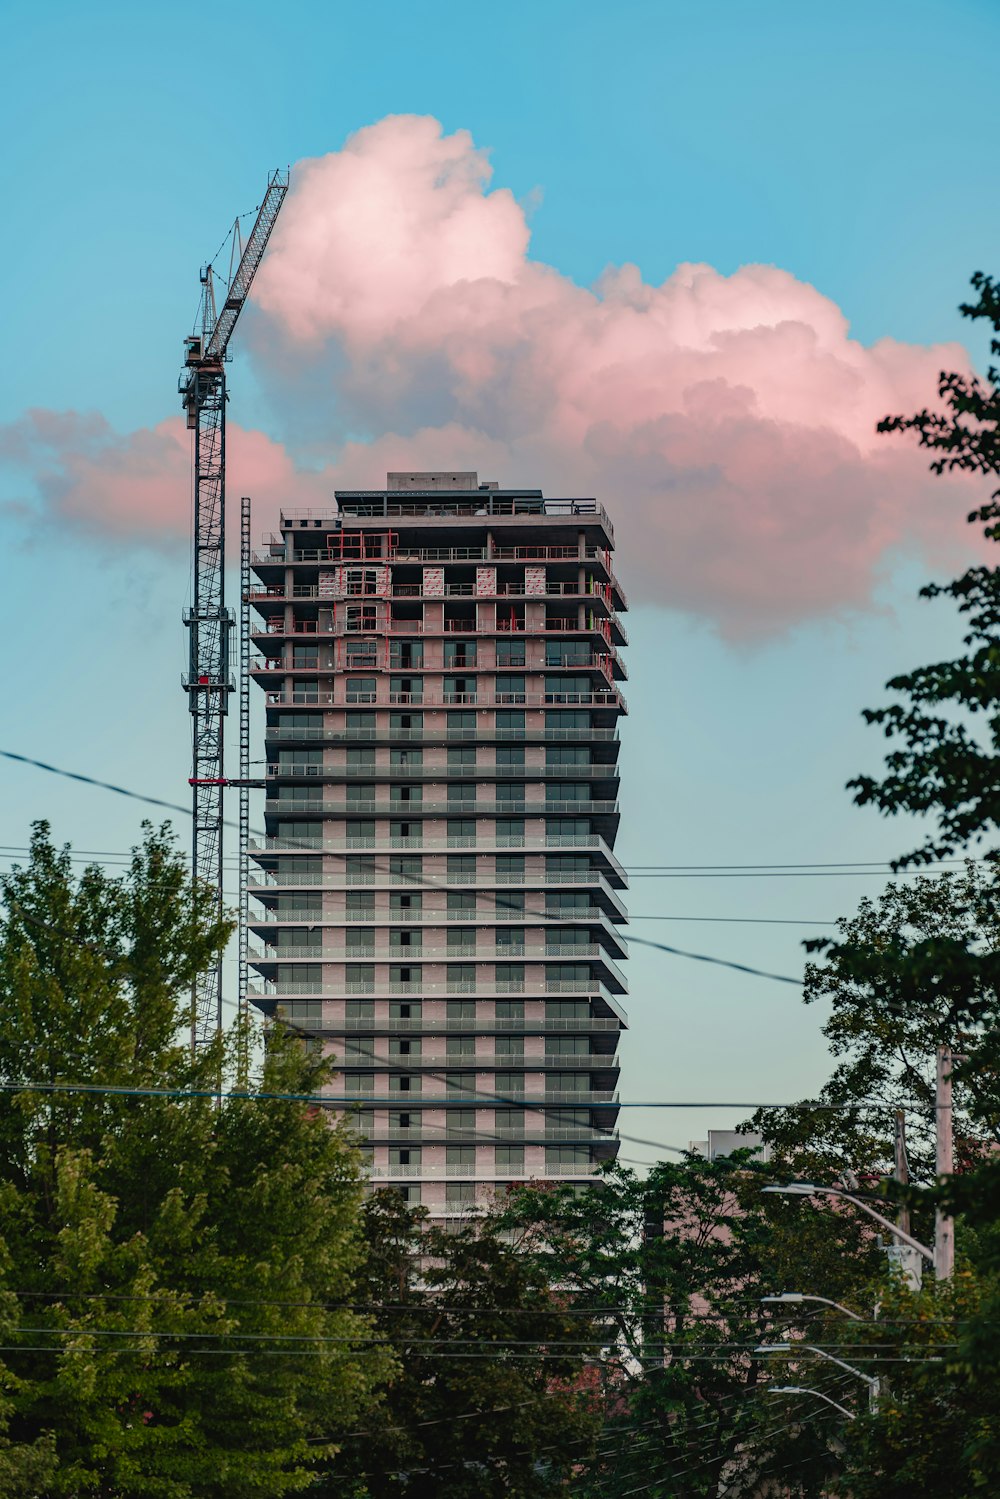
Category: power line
<point>321,1099</point>
<point>156,801</point>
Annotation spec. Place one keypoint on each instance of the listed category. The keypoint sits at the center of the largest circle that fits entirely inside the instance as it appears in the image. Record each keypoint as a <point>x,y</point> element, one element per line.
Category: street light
<point>870,1380</point>
<point>808,1189</point>
<point>798,1389</point>
<point>793,1297</point>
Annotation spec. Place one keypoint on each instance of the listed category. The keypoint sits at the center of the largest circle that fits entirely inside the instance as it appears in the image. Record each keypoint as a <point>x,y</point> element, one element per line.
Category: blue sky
<point>844,146</point>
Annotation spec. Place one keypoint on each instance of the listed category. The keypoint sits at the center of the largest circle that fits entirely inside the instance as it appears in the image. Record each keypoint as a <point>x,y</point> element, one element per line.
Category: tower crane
<point>208,682</point>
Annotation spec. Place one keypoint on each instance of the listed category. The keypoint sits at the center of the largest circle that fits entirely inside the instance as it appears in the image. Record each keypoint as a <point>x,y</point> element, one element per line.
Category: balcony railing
<point>316,806</point>
<point>481,1173</point>
<point>442,774</point>
<point>307,698</point>
<point>275,988</point>
<point>445,735</point>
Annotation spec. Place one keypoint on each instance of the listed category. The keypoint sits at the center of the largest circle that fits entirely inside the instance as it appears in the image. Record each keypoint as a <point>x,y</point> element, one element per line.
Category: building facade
<point>437,898</point>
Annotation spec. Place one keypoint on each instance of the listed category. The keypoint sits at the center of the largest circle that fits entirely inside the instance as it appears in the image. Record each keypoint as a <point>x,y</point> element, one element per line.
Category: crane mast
<point>208,682</point>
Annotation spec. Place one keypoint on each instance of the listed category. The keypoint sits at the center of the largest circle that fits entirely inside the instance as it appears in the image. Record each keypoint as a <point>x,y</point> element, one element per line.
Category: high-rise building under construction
<point>438,899</point>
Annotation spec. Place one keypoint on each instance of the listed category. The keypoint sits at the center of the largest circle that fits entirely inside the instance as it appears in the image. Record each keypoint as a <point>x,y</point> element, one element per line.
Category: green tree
<point>175,1266</point>
<point>946,729</point>
<point>675,1267</point>
<point>915,969</point>
<point>495,1396</point>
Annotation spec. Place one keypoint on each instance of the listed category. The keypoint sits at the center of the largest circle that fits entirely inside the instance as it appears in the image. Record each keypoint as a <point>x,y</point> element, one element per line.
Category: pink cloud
<point>137,486</point>
<point>728,422</point>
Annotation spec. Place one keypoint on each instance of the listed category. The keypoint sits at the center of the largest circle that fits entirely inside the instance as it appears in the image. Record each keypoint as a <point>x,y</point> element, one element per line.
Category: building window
<point>405,943</point>
<point>461,904</point>
<point>461,725</point>
<point>510,1011</point>
<point>407,723</point>
<point>510,1159</point>
<point>510,653</point>
<point>404,1046</point>
<point>406,759</point>
<point>509,723</point>
<point>461,978</point>
<point>462,757</point>
<point>361,580</point>
<point>461,1158</point>
<point>406,653</point>
<point>406,793</point>
<point>461,940</point>
<point>510,1049</point>
<point>510,791</point>
<point>460,1122</point>
<point>359,871</point>
<point>462,791</point>
<point>567,1155</point>
<point>459,1195</point>
<point>405,1009</point>
<point>360,617</point>
<point>359,725</point>
<point>459,689</point>
<point>361,655</point>
<point>360,1010</point>
<point>362,937</point>
<point>459,653</point>
<point>361,760</point>
<point>404,1082</point>
<point>568,689</point>
<point>510,976</point>
<point>406,900</point>
<point>361,689</point>
<point>509,1123</point>
<point>509,689</point>
<point>360,834</point>
<point>460,1048</point>
<point>461,867</point>
<point>509,1084</point>
<point>406,689</point>
<point>405,975</point>
<point>359,978</point>
<point>359,1082</point>
<point>360,904</point>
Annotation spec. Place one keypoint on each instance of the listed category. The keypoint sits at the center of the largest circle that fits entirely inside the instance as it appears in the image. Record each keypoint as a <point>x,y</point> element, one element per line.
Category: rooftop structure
<point>437,899</point>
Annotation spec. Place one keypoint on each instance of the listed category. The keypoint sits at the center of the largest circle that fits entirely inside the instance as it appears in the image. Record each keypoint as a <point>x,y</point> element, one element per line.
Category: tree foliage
<point>494,1395</point>
<point>676,1265</point>
<point>915,969</point>
<point>946,729</point>
<point>172,1264</point>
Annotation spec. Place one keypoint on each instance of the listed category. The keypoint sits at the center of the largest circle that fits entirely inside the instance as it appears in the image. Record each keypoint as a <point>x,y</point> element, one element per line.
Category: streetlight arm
<point>869,1379</point>
<point>793,1298</point>
<point>796,1389</point>
<point>801,1189</point>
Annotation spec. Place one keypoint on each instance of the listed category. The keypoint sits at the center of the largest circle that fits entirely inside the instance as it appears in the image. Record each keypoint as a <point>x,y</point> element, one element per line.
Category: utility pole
<point>944,1226</point>
<point>907,1259</point>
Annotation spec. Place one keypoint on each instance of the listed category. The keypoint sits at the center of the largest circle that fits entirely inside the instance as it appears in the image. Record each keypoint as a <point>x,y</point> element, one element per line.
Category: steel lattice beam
<point>208,682</point>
